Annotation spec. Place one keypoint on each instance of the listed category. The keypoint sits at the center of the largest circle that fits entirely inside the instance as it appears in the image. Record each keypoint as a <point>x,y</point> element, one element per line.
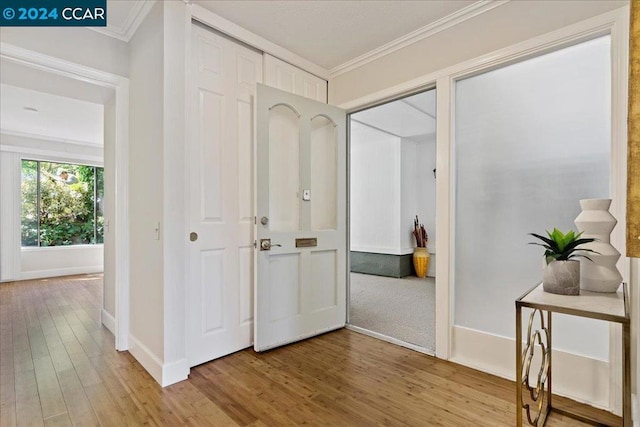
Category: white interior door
<point>301,218</point>
<point>220,253</point>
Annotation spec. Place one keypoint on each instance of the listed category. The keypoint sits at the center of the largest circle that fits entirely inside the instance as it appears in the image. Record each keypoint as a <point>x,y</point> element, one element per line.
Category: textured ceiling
<point>331,33</point>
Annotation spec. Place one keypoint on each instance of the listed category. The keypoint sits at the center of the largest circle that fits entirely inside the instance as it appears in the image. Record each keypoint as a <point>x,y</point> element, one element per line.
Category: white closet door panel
<point>289,78</point>
<point>221,196</point>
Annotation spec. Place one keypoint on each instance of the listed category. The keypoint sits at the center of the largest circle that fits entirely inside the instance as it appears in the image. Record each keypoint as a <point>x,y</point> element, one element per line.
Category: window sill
<point>58,248</point>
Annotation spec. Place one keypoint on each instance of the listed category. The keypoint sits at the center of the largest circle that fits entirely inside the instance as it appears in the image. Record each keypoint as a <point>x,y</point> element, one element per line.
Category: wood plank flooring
<point>58,368</point>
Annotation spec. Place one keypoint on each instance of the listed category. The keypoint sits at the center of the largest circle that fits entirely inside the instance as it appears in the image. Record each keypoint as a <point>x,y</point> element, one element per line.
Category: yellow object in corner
<point>421,261</point>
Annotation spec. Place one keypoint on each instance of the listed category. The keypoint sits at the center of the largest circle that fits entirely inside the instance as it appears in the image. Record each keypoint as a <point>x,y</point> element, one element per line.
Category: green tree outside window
<point>62,204</point>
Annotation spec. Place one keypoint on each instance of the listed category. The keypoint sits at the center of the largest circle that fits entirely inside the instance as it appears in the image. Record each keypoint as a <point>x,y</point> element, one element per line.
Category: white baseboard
<point>175,372</point>
<point>390,340</point>
<point>164,374</point>
<point>108,321</point>
<point>580,378</point>
<point>58,272</point>
<point>149,361</point>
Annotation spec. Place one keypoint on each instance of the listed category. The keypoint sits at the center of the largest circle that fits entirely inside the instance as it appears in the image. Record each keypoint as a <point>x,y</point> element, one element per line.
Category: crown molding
<point>435,27</point>
<point>138,12</point>
<point>38,137</point>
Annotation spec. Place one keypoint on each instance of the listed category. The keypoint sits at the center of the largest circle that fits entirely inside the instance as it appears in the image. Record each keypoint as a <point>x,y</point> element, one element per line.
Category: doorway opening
<point>64,82</point>
<point>392,180</point>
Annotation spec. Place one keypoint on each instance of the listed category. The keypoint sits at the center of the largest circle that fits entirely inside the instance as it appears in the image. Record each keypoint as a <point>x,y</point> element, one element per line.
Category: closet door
<point>220,192</point>
<point>292,79</point>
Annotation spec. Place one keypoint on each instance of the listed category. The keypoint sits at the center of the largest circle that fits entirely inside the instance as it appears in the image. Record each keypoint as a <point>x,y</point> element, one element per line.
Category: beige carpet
<point>400,308</point>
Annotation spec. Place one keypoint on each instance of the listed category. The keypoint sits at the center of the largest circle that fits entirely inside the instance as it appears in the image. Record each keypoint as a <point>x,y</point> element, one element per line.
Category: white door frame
<point>350,326</point>
<point>615,23</point>
<point>120,85</point>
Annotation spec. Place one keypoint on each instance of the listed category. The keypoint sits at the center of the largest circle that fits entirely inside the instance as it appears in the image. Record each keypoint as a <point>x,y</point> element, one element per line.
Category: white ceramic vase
<point>595,221</point>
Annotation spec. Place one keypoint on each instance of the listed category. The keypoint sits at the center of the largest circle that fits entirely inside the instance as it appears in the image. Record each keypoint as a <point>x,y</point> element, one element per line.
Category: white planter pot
<point>562,277</point>
<point>595,221</point>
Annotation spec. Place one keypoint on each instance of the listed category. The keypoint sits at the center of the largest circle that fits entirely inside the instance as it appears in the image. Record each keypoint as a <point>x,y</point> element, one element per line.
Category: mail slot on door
<point>308,242</point>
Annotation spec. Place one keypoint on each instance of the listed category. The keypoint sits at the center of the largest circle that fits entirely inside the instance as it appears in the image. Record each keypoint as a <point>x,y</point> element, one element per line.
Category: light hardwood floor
<point>58,367</point>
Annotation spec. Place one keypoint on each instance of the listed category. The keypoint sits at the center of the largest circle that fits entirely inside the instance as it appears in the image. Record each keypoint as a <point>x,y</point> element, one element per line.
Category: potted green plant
<point>562,271</point>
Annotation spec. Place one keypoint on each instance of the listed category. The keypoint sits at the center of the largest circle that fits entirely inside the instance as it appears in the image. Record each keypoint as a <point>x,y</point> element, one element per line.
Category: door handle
<point>193,236</point>
<point>266,245</point>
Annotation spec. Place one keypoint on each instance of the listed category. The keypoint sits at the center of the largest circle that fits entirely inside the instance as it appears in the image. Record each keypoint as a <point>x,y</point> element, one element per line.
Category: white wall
<point>37,263</point>
<point>75,44</point>
<point>157,134</point>
<point>419,188</point>
<point>33,263</point>
<point>419,192</point>
<point>409,193</point>
<point>375,195</point>
<point>176,21</point>
<point>9,215</point>
<point>146,177</point>
<point>502,26</point>
<point>391,182</point>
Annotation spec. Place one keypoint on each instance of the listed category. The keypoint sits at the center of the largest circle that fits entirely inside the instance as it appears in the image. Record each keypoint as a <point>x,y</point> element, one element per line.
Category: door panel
<point>324,175</point>
<point>212,266</point>
<point>324,282</point>
<point>284,169</point>
<point>245,160</point>
<point>220,191</point>
<point>289,78</point>
<point>301,196</point>
<point>284,295</point>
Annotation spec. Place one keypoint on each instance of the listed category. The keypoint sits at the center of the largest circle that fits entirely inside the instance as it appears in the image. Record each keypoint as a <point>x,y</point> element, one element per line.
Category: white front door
<point>220,208</point>
<point>301,218</point>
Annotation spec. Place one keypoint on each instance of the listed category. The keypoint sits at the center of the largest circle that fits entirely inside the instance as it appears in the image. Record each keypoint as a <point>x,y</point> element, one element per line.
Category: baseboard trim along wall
<point>146,358</point>
<point>57,272</point>
<point>580,378</point>
<point>108,321</point>
<point>164,374</point>
<point>175,372</point>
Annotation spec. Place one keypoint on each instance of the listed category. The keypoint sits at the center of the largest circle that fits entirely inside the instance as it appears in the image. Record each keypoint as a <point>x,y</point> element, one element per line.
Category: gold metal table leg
<point>540,393</point>
<point>626,375</point>
<point>518,366</point>
<point>549,349</point>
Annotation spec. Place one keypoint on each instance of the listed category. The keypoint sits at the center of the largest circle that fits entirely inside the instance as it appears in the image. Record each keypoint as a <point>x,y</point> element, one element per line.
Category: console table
<point>612,307</point>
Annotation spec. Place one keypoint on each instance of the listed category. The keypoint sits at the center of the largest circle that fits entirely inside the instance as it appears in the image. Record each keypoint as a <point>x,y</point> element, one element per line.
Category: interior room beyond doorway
<point>392,180</point>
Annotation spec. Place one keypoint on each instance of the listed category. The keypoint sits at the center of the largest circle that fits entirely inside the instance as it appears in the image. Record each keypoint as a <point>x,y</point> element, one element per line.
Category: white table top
<point>607,306</point>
